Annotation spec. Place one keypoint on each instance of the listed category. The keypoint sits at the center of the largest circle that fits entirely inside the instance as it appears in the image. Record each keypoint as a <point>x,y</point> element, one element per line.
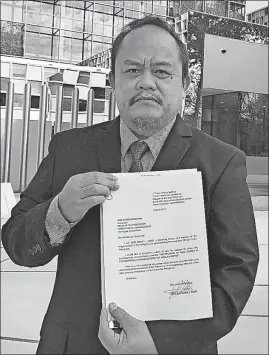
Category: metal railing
<point>8,132</point>
<point>42,122</point>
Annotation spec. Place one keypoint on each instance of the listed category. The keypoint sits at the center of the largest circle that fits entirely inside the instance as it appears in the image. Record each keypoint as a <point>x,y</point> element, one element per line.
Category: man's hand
<point>84,191</point>
<point>134,338</point>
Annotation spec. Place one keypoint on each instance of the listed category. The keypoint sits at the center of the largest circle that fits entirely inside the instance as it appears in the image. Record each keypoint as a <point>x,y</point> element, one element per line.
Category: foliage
<point>253,124</point>
<point>11,38</point>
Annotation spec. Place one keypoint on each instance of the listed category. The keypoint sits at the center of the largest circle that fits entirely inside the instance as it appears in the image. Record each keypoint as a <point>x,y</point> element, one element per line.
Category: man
<point>58,213</point>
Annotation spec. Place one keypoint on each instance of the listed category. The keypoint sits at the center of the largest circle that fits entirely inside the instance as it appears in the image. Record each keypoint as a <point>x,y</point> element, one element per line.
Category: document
<point>154,252</point>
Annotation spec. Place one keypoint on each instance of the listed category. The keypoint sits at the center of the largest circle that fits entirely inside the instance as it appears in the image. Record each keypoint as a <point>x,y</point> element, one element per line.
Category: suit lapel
<point>109,147</point>
<point>174,148</point>
<point>172,152</point>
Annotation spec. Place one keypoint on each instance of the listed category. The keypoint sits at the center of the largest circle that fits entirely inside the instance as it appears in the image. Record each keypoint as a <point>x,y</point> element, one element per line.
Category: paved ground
<point>25,294</point>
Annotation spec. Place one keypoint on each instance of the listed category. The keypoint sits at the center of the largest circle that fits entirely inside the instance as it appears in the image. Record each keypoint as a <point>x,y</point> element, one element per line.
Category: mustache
<point>148,97</point>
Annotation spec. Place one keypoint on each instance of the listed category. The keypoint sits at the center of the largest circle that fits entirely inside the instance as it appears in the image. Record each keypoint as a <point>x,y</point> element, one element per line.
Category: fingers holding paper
<point>134,338</point>
<point>84,191</point>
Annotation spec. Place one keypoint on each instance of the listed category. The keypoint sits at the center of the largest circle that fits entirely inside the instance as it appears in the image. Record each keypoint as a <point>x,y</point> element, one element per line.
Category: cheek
<point>173,92</point>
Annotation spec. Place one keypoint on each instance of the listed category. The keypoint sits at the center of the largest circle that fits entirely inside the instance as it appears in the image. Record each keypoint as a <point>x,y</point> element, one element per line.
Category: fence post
<point>25,135</point>
<point>90,102</point>
<point>59,109</point>
<point>75,106</point>
<point>8,132</point>
<point>42,124</point>
<point>112,107</point>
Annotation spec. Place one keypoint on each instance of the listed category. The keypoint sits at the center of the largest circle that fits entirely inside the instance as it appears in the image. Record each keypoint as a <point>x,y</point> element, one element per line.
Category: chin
<point>146,123</point>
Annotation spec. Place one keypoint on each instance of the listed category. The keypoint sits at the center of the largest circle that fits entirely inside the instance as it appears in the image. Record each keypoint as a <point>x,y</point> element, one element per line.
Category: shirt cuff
<point>56,225</point>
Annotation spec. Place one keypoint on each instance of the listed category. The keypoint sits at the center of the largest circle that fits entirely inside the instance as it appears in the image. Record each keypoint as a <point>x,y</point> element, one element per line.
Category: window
<point>249,17</point>
<point>77,26</point>
<point>84,78</point>
<point>53,88</point>
<point>58,77</point>
<point>47,8</point>
<point>108,92</point>
<point>98,106</point>
<point>76,50</point>
<point>67,104</point>
<point>4,84</point>
<point>32,43</point>
<point>17,15</point>
<point>68,90</point>
<point>46,20</point>
<point>35,87</point>
<point>99,93</point>
<point>33,6</point>
<point>6,11</point>
<point>3,99</point>
<point>33,18</point>
<point>19,70</point>
<point>35,101</point>
<point>266,11</point>
<point>78,4</point>
<point>82,106</point>
<point>45,46</point>
<point>18,100</point>
<point>49,72</point>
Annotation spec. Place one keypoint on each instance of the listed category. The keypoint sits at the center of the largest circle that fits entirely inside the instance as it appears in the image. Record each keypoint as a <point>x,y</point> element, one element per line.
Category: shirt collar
<point>154,142</point>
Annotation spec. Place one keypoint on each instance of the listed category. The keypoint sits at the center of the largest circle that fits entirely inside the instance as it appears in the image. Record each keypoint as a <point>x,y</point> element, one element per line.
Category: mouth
<point>147,99</point>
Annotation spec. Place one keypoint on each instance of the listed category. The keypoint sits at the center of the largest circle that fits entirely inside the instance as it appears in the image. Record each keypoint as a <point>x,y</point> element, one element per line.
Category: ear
<point>111,80</point>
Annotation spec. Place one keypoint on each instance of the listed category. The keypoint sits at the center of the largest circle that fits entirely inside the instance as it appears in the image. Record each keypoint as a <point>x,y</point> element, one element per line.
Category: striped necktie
<point>137,149</point>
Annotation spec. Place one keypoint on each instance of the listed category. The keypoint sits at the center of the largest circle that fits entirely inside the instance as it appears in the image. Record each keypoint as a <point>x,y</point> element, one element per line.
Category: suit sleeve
<point>24,236</point>
<point>56,225</point>
<point>233,257</point>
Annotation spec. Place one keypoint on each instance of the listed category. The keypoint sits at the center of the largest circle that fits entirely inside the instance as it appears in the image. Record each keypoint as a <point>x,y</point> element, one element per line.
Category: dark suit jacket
<point>71,322</point>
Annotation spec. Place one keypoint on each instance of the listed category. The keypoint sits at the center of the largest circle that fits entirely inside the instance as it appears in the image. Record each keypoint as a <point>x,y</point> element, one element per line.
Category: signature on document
<point>179,288</point>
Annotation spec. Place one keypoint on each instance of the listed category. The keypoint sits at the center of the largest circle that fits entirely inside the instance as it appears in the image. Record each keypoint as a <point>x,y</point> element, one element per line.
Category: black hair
<point>154,21</point>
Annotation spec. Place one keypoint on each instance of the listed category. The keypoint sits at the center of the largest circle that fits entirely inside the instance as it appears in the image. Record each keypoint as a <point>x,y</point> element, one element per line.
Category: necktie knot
<point>137,149</point>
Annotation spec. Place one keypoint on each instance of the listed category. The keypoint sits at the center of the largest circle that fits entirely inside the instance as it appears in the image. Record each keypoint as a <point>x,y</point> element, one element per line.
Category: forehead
<point>148,42</point>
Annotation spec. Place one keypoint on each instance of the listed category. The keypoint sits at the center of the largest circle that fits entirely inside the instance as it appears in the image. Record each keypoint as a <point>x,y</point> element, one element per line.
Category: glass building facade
<point>224,8</point>
<point>42,39</point>
<point>69,31</point>
<point>259,17</point>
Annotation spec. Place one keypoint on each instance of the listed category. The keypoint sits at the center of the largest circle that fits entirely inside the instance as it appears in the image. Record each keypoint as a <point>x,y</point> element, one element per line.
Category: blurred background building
<point>68,31</point>
<point>225,8</point>
<point>67,43</point>
<point>259,16</point>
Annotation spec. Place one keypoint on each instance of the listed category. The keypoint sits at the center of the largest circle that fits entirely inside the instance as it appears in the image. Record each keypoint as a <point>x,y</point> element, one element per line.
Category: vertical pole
<point>112,106</point>
<point>89,113</point>
<point>25,135</point>
<point>59,109</point>
<point>8,132</point>
<point>75,105</point>
<point>42,124</point>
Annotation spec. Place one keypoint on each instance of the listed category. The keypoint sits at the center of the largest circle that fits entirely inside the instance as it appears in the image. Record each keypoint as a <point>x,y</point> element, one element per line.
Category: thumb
<point>124,318</point>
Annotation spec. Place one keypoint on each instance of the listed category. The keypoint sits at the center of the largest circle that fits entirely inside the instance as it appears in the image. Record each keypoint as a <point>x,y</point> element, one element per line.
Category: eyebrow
<point>134,62</point>
<point>164,62</point>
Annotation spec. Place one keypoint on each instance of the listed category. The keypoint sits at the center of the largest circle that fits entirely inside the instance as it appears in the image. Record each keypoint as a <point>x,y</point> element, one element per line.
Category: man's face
<point>148,80</point>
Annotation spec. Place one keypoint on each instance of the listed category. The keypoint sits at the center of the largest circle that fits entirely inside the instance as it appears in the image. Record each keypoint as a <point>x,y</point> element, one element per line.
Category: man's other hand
<point>84,191</point>
<point>134,338</point>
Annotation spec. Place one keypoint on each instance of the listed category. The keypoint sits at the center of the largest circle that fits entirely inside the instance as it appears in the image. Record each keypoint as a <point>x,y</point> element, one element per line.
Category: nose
<point>146,81</point>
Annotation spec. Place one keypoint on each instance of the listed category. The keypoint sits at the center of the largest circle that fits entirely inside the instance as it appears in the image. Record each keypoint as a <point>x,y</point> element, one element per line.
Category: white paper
<point>154,254</point>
